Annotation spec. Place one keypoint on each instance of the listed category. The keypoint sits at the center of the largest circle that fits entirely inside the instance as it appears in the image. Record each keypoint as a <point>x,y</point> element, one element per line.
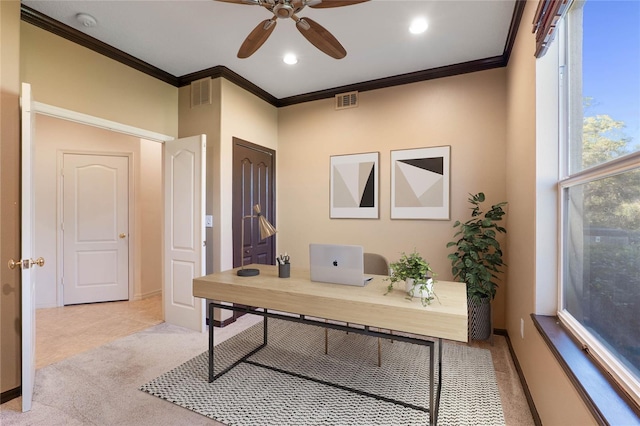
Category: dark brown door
<point>253,183</point>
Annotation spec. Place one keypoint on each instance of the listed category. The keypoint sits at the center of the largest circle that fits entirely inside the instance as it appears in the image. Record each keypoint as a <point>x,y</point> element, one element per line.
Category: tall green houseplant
<point>477,260</point>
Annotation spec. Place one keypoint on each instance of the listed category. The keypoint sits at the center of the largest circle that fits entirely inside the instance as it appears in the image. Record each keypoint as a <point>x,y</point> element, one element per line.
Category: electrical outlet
<point>209,221</point>
<point>521,328</point>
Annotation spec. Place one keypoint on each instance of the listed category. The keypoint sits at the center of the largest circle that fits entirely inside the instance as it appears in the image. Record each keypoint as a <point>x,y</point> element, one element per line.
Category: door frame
<point>27,277</point>
<point>28,344</point>
<point>237,222</point>
<point>89,120</point>
<point>59,208</point>
<point>236,219</point>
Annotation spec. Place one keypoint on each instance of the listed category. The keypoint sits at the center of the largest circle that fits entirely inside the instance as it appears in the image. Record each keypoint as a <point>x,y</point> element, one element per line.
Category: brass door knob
<point>26,264</point>
<point>14,263</point>
<point>123,235</point>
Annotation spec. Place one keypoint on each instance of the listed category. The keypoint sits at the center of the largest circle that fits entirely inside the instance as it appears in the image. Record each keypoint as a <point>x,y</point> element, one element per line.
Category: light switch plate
<point>208,221</point>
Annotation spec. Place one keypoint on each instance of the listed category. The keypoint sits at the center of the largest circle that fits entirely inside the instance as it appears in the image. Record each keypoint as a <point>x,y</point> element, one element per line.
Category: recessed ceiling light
<point>418,26</point>
<point>290,59</point>
<point>86,20</point>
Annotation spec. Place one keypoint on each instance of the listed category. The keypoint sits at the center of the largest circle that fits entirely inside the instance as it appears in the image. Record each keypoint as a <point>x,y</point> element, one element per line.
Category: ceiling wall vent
<point>347,100</point>
<point>201,92</point>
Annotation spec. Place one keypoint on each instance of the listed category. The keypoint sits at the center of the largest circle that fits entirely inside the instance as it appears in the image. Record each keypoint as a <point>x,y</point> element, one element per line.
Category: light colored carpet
<point>90,389</point>
<point>254,395</point>
<point>100,386</point>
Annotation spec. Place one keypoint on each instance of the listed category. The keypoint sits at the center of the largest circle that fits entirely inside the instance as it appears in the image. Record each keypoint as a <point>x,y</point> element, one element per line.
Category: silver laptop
<point>339,264</point>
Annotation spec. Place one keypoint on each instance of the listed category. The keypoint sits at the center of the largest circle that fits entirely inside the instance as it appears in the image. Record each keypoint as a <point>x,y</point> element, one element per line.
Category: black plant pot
<point>479,319</point>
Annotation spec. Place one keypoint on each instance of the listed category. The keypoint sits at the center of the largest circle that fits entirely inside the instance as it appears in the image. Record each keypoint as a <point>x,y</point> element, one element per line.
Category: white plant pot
<point>409,284</point>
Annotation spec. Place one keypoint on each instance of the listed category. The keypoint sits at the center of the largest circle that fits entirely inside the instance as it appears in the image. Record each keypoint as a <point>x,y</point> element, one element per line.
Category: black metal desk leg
<point>432,400</point>
<point>264,331</point>
<point>210,342</point>
<point>437,407</point>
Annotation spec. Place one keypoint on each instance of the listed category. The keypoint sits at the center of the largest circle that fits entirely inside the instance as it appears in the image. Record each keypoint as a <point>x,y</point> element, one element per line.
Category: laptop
<point>338,264</point>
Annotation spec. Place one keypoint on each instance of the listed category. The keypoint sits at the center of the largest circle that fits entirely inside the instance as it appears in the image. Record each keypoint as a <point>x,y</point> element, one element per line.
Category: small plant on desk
<point>417,276</point>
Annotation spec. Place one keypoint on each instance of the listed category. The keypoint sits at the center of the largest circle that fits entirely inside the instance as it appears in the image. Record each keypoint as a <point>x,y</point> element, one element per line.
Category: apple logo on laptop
<point>335,263</point>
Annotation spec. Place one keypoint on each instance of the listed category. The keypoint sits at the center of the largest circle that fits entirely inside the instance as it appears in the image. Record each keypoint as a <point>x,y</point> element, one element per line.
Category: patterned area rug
<point>254,395</point>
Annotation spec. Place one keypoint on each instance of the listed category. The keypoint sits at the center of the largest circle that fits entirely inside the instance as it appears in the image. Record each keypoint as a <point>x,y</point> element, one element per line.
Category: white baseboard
<point>46,305</point>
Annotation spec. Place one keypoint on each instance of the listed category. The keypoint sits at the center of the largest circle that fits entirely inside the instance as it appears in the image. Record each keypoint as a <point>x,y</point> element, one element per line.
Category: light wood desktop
<point>445,318</point>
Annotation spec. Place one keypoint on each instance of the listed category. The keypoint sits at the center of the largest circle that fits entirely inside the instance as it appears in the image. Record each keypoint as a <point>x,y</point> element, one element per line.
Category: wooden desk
<point>368,306</point>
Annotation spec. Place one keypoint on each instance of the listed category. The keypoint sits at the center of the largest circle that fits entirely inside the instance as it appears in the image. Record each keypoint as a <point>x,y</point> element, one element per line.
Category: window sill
<point>604,398</point>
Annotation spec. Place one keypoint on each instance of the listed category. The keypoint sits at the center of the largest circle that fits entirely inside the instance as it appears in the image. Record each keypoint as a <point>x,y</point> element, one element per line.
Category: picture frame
<point>420,183</point>
<point>354,186</point>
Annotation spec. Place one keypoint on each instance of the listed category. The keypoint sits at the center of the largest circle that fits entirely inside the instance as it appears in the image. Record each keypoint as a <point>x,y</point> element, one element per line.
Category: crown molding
<point>222,71</point>
<point>40,20</point>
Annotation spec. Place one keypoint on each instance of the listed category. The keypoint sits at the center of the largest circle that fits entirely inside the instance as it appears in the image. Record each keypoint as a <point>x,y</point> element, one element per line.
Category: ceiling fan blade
<point>323,4</point>
<point>257,37</point>
<point>247,2</point>
<point>320,38</point>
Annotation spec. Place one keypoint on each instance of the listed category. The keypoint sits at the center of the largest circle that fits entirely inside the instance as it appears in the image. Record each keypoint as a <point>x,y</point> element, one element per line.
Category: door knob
<point>26,264</point>
<point>14,263</point>
<point>123,235</point>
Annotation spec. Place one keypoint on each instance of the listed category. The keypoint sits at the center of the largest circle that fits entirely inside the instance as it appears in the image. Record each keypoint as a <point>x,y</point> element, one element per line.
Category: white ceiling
<point>186,36</point>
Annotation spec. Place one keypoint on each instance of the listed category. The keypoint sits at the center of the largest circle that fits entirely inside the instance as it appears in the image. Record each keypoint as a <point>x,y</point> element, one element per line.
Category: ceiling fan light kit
<point>418,26</point>
<point>315,33</point>
<point>290,59</point>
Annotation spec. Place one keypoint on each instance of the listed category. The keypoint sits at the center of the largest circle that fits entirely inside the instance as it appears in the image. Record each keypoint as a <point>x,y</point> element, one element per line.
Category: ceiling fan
<point>315,33</point>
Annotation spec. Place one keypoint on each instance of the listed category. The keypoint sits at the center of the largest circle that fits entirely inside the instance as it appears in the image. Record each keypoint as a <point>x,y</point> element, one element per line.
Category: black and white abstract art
<point>354,186</point>
<point>420,183</point>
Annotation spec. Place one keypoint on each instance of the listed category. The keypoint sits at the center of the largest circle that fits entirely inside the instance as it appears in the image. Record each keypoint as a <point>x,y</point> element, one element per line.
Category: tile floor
<point>66,331</point>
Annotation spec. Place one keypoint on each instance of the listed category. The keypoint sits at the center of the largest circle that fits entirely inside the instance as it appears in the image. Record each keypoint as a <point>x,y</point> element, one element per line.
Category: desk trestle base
<point>434,397</point>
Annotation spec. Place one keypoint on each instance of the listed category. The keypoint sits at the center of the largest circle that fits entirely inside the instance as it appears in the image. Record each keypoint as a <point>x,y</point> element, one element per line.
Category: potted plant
<point>477,260</point>
<point>417,276</point>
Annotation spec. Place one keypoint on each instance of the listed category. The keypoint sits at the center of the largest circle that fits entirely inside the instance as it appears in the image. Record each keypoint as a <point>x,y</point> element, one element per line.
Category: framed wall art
<point>420,180</point>
<point>354,186</point>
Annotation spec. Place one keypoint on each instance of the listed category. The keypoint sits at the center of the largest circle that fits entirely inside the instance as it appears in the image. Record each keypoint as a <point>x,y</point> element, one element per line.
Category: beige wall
<point>149,214</point>
<point>67,75</point>
<point>205,119</point>
<point>9,194</point>
<point>234,112</point>
<point>466,112</point>
<point>53,137</point>
<point>555,398</point>
<point>237,113</point>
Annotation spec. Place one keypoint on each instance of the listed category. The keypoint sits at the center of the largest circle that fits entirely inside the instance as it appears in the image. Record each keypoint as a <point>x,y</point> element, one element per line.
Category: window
<point>600,280</point>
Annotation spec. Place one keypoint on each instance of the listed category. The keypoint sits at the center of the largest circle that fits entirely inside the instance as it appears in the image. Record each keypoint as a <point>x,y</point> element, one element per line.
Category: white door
<point>28,274</point>
<point>184,251</point>
<point>95,228</point>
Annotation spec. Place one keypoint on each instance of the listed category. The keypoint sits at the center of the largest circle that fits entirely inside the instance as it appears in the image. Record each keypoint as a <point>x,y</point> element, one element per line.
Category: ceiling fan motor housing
<point>283,10</point>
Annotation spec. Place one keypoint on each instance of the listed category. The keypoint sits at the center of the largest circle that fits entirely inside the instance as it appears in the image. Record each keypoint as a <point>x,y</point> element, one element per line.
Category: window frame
<point>589,343</point>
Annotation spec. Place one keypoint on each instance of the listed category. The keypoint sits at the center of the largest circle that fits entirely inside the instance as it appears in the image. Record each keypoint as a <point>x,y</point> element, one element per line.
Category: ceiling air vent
<point>347,100</point>
<point>201,92</point>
